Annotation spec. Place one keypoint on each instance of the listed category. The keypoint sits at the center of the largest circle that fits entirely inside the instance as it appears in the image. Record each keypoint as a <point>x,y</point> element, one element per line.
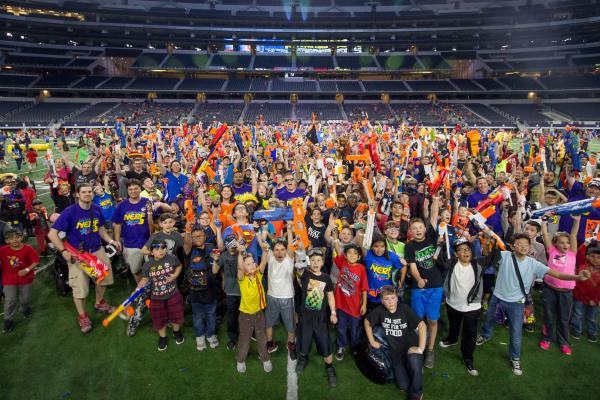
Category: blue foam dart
<point>277,214</point>
<point>183,369</point>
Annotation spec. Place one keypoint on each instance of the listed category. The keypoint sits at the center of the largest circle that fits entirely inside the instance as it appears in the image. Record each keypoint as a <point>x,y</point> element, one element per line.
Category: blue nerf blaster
<point>573,208</point>
<point>122,307</point>
<point>277,214</point>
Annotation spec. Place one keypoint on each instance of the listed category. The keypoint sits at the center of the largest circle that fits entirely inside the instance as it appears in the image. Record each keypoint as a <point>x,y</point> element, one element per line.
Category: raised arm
<point>574,232</point>
<point>546,235</point>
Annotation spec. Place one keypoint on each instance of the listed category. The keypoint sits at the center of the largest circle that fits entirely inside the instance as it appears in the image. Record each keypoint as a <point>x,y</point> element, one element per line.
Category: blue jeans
<point>581,311</point>
<point>514,311</point>
<point>347,322</point>
<point>204,316</point>
<point>408,372</point>
<point>557,307</point>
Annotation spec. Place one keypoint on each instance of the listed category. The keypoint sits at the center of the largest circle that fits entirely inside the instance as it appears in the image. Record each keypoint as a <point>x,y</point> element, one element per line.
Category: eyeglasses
<point>159,246</point>
<point>289,180</point>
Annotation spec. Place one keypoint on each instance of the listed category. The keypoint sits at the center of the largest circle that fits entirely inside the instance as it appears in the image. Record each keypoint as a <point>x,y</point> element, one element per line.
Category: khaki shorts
<point>134,258</point>
<point>80,281</point>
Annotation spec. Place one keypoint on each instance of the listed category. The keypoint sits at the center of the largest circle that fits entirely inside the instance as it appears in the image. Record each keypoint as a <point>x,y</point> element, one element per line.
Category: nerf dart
<point>89,263</point>
<point>572,208</point>
<point>124,305</point>
<point>369,191</point>
<point>277,214</point>
<point>368,237</point>
<point>299,226</point>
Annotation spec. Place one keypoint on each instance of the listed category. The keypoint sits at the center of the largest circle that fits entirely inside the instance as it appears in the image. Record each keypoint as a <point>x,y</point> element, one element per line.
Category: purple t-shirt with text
<point>81,226</point>
<point>285,195</point>
<point>134,223</point>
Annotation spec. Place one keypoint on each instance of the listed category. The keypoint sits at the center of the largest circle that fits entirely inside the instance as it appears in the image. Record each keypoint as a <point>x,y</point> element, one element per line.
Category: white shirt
<point>461,282</point>
<point>281,277</point>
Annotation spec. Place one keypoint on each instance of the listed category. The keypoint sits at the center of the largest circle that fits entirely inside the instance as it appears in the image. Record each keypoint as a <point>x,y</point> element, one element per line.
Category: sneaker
<point>200,343</point>
<point>528,328</point>
<point>481,340</point>
<point>302,362</point>
<point>339,354</point>
<point>231,345</point>
<point>272,346</point>
<point>104,307</point>
<point>331,376</point>
<point>84,323</point>
<point>162,343</point>
<point>27,312</point>
<point>471,369</point>
<point>445,343</point>
<point>253,338</point>
<point>575,335</point>
<point>566,350</point>
<point>213,342</point>
<point>241,367</point>
<point>8,326</point>
<point>429,359</point>
<point>516,367</point>
<point>292,351</point>
<point>592,339</point>
<point>179,339</point>
<point>545,345</point>
<point>268,366</point>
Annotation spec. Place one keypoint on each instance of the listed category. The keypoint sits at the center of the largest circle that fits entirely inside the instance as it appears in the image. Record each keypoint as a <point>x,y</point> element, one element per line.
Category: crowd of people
<point>372,229</point>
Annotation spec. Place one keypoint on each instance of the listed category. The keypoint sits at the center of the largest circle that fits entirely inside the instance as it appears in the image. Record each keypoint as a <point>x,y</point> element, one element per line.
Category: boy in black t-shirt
<point>317,295</point>
<point>427,291</point>
<point>400,322</point>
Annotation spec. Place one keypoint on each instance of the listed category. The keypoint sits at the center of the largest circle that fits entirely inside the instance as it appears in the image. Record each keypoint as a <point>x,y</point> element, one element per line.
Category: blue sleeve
<point>369,259</point>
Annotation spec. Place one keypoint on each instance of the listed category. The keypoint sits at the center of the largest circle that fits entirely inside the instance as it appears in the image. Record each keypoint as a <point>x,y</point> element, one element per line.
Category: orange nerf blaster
<point>190,217</point>
<point>359,157</point>
<point>299,225</point>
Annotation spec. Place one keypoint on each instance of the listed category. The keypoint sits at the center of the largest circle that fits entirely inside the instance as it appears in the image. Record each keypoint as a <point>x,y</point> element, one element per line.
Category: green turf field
<point>46,357</point>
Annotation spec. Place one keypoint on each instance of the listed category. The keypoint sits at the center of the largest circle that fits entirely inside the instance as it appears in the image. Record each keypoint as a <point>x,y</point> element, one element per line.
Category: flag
<point>137,131</point>
<point>311,135</point>
<point>238,142</point>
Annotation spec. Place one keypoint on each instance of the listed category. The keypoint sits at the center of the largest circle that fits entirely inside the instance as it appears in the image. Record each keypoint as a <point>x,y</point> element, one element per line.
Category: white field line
<point>292,380</point>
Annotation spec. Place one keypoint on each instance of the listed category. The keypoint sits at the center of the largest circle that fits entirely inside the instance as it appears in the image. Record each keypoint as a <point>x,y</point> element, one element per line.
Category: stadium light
<point>8,34</point>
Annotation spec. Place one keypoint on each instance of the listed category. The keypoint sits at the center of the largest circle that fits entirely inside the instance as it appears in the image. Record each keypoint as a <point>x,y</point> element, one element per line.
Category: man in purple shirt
<point>483,191</point>
<point>83,226</point>
<point>132,222</point>
<point>239,187</point>
<point>291,190</point>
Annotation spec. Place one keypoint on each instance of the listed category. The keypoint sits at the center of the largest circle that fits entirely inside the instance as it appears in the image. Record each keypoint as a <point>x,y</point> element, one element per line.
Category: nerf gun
<point>90,264</point>
<point>572,208</point>
<point>359,157</point>
<point>277,214</point>
<point>299,226</point>
<point>190,218</point>
<point>125,305</point>
<point>368,237</point>
<point>219,133</point>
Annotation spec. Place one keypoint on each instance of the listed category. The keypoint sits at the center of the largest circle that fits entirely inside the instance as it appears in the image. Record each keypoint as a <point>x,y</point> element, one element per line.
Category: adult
<point>239,187</point>
<point>176,180</point>
<point>516,274</point>
<point>291,190</point>
<point>83,226</point>
<point>483,191</point>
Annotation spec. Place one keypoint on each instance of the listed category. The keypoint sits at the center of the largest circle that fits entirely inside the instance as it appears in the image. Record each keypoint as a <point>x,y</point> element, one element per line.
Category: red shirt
<point>28,196</point>
<point>15,260</point>
<point>350,285</point>
<point>31,156</point>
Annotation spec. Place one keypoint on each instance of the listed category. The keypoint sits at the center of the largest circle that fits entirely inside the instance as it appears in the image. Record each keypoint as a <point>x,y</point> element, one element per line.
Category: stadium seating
<point>520,83</point>
<point>153,84</point>
<point>91,113</point>
<point>446,114</point>
<point>272,62</point>
<point>35,61</point>
<point>152,112</point>
<point>149,60</point>
<point>375,111</point>
<point>356,62</point>
<point>430,86</point>
<point>385,86</point>
<point>279,85</point>
<point>90,82</point>
<point>7,107</point>
<point>466,85</point>
<point>44,113</point>
<point>579,111</point>
<point>231,61</point>
<point>489,84</point>
<point>397,62</point>
<point>115,83</point>
<point>221,112</point>
<point>209,85</point>
<point>271,112</point>
<point>81,63</point>
<point>14,80</point>
<point>323,111</point>
<point>186,61</point>
<point>56,81</point>
<point>490,115</point>
<point>528,113</point>
<point>314,62</point>
<point>571,82</point>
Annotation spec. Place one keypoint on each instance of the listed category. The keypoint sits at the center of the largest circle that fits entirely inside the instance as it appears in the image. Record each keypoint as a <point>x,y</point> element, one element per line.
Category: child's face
<point>346,235</point>
<point>392,233</point>
<point>249,266</point>
<point>390,301</point>
<point>593,260</point>
<point>522,247</point>
<point>98,190</point>
<point>563,244</point>
<point>279,251</point>
<point>530,231</point>
<point>38,207</point>
<point>445,216</point>
<point>167,225</point>
<point>378,248</point>
<point>418,230</point>
<point>352,256</point>
<point>159,251</point>
<point>462,212</point>
<point>316,263</point>
<point>13,239</point>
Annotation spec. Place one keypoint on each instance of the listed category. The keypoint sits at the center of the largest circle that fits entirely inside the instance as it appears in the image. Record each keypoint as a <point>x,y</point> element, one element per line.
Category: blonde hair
<point>558,235</point>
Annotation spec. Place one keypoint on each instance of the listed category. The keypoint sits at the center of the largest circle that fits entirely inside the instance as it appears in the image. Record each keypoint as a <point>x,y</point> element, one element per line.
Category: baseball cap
<point>595,183</point>
<point>460,242</point>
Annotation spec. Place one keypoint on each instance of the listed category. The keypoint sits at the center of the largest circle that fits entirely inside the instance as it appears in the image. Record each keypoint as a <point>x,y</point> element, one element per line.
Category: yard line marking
<point>292,380</point>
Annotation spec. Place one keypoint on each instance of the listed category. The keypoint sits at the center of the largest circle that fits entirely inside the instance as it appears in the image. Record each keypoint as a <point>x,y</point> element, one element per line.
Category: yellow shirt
<point>253,294</point>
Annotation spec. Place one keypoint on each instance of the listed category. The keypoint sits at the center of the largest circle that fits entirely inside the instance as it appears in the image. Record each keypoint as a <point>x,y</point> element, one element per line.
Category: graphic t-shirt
<point>203,287</point>
<point>316,234</point>
<point>15,260</point>
<point>175,185</point>
<point>244,188</point>
<point>249,237</point>
<point>285,195</point>
<point>134,223</point>
<point>253,294</point>
<point>158,271</point>
<point>107,204</point>
<point>561,262</point>
<point>173,240</point>
<point>228,264</point>
<point>314,295</point>
<point>399,327</point>
<point>81,226</point>
<point>380,272</point>
<point>352,281</point>
<point>79,178</point>
<point>421,253</point>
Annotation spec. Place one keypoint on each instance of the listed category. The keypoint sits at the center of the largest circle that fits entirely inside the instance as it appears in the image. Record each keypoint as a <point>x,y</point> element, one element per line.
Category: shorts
<point>133,258</point>
<point>427,302</point>
<point>166,310</point>
<point>317,330</point>
<point>79,281</point>
<point>488,283</point>
<point>277,307</point>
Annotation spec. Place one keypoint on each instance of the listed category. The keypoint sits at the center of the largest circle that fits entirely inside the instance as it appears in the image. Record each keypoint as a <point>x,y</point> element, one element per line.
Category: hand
<point>576,218</point>
<point>333,319</point>
<point>117,245</point>
<point>375,344</point>
<point>421,283</point>
<point>23,272</point>
<point>415,350</point>
<point>67,256</point>
<point>363,309</point>
<point>584,275</point>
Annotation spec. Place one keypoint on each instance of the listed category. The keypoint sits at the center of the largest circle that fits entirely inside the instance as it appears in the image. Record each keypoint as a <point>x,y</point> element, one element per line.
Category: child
<point>586,294</point>
<point>18,265</point>
<point>252,316</point>
<point>382,269</point>
<point>317,295</point>
<point>228,264</point>
<point>400,323</point>
<point>166,303</point>
<point>350,296</point>
<point>31,158</point>
<point>203,264</point>
<point>41,226</point>
<point>427,291</point>
<point>558,294</point>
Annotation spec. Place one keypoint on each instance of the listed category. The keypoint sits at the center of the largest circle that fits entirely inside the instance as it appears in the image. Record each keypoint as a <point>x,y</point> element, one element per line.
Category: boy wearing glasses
<point>166,303</point>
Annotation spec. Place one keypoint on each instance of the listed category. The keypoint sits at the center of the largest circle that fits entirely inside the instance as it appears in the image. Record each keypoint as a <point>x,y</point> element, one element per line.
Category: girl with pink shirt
<point>558,294</point>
